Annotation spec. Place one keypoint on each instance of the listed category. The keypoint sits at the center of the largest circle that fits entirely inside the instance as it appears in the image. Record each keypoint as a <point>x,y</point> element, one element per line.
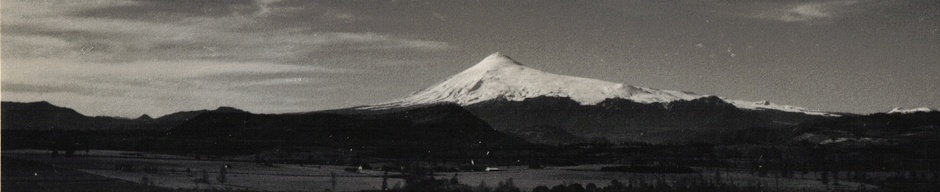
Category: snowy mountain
<point>899,110</point>
<point>767,105</point>
<point>500,77</point>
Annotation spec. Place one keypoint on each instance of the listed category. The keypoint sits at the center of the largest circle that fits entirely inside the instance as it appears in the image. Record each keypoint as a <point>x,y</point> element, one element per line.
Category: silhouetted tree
<point>591,187</point>
<point>69,153</point>
<point>541,189</point>
<point>385,181</point>
<point>333,180</point>
<point>616,186</point>
<point>835,178</point>
<point>507,186</point>
<point>453,180</point>
<point>717,176</point>
<point>936,175</point>
<point>205,176</point>
<point>560,188</point>
<point>221,177</point>
<point>575,187</point>
<point>397,186</point>
<point>482,187</point>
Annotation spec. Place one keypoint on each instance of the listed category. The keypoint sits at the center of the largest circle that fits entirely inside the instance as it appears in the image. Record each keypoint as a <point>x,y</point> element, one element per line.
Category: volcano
<point>498,76</point>
<point>513,98</point>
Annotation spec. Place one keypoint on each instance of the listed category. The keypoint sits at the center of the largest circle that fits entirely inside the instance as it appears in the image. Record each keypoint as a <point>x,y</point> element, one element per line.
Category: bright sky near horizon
<point>127,58</point>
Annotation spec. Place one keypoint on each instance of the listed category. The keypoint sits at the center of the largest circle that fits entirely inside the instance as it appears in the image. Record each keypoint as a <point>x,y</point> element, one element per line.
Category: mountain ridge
<point>42,115</point>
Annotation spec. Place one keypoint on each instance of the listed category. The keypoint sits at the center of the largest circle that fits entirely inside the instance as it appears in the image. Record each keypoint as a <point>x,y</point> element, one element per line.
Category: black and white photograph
<point>470,95</point>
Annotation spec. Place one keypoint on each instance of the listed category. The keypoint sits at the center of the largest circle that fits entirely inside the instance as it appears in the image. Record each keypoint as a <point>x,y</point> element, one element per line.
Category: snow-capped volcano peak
<point>499,76</point>
<point>496,61</point>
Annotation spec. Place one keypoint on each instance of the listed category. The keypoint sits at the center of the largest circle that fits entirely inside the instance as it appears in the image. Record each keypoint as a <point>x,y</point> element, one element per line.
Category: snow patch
<point>898,110</point>
<point>767,105</point>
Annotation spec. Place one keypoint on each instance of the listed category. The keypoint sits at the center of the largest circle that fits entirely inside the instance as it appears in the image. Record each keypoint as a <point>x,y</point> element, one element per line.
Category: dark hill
<point>879,125</point>
<point>45,116</point>
<point>435,127</point>
<point>913,135</point>
<point>186,115</point>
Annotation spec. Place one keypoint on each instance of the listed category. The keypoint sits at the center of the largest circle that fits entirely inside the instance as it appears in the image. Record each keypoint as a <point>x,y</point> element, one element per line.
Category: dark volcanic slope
<point>547,134</point>
<point>704,119</point>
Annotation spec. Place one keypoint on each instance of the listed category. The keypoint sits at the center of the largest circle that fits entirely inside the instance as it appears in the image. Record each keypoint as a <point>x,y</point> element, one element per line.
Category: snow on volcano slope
<point>899,110</point>
<point>499,76</point>
<point>767,105</point>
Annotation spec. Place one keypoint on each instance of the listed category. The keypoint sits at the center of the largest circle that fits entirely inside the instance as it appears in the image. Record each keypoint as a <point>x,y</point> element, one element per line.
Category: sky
<point>128,58</point>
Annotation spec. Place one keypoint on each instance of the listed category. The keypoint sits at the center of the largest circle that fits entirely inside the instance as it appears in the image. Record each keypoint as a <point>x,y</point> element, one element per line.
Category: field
<point>23,175</point>
<point>174,173</point>
<point>527,179</point>
<point>129,170</point>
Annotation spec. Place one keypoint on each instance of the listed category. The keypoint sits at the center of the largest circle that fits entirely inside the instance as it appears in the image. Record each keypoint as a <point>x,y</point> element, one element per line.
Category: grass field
<point>24,175</point>
<point>527,179</point>
<point>172,172</point>
<point>128,170</point>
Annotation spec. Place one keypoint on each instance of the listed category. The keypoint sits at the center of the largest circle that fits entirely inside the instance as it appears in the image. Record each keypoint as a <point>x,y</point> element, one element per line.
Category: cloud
<point>806,11</point>
<point>169,74</point>
<point>163,56</point>
<point>45,32</point>
<point>35,88</point>
<point>195,83</point>
<point>796,11</point>
<point>264,7</point>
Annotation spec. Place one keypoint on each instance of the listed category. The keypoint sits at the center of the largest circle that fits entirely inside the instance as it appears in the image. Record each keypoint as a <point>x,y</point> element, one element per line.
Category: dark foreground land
<point>103,170</point>
<point>445,148</point>
<point>26,175</point>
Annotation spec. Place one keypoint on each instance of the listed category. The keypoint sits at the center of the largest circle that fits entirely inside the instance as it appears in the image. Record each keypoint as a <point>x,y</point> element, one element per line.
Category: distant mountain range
<point>439,128</point>
<point>45,116</point>
<point>496,100</point>
<point>917,128</point>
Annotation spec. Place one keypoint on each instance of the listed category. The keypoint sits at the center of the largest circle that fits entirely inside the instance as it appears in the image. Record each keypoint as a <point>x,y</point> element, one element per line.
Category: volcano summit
<point>499,76</point>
